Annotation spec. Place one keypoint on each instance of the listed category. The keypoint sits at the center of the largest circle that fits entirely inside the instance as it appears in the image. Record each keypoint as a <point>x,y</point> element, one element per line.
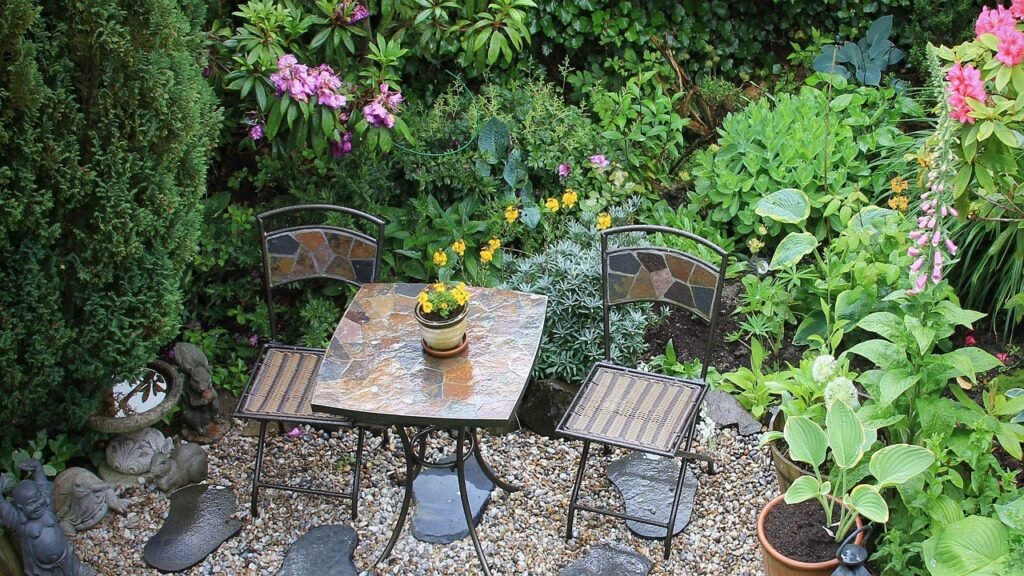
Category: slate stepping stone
<point>609,559</point>
<point>198,522</point>
<point>323,551</point>
<point>647,483</point>
<point>724,410</point>
<point>438,517</point>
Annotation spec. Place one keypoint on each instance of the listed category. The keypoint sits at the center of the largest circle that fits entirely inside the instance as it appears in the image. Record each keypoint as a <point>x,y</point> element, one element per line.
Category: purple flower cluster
<point>380,111</point>
<point>301,82</point>
<point>343,146</point>
<point>358,13</point>
<point>256,132</point>
<point>930,241</point>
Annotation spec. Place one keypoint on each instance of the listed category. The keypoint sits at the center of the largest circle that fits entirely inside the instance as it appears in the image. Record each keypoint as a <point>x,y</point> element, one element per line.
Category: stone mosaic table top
<point>375,369</point>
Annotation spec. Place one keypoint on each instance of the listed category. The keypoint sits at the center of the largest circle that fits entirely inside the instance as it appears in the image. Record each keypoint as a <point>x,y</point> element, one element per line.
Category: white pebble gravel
<point>522,532</point>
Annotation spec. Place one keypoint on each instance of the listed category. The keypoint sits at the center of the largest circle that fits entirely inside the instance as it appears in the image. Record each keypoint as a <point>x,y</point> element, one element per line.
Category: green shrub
<point>568,271</point>
<point>769,146</point>
<point>106,127</point>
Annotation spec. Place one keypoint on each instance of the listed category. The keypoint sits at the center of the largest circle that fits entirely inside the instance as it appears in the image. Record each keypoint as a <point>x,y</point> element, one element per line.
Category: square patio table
<point>376,372</point>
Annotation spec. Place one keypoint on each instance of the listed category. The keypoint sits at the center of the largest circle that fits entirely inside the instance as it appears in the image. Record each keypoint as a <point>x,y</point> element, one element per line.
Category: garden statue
<point>45,550</point>
<point>128,456</point>
<point>201,411</point>
<point>81,500</point>
<point>187,464</point>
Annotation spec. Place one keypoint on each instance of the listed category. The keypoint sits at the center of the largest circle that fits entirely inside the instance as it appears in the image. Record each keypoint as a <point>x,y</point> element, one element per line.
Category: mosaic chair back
<point>284,378</point>
<point>296,250</point>
<point>662,275</point>
<point>629,408</point>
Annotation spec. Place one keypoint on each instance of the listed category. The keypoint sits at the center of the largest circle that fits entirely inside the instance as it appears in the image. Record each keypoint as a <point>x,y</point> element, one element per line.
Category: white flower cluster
<point>823,368</point>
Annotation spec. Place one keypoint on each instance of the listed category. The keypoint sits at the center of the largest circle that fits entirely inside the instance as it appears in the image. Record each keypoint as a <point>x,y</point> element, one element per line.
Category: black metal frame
<point>688,431</point>
<point>324,422</point>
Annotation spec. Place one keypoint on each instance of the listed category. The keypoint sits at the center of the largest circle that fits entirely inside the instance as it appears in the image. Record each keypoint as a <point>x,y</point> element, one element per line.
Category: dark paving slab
<point>609,559</point>
<point>725,411</point>
<point>647,484</point>
<point>323,551</point>
<point>198,522</point>
<point>438,516</point>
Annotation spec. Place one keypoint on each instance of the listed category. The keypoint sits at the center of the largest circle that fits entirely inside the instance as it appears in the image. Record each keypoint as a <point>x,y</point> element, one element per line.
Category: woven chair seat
<point>282,387</point>
<point>633,409</point>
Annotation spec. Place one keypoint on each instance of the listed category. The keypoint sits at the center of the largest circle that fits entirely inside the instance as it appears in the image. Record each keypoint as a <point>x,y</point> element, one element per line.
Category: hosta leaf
<point>802,489</point>
<point>866,501</point>
<point>792,248</point>
<point>897,463</point>
<point>789,206</point>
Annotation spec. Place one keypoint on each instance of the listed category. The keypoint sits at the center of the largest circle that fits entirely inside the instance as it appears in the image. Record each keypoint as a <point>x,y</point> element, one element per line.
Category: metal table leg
<point>460,467</point>
<point>488,471</point>
<point>410,475</point>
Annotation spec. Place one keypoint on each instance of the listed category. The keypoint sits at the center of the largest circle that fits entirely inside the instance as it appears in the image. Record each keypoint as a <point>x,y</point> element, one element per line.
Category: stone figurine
<point>187,464</point>
<point>201,410</point>
<point>81,500</point>
<point>128,456</point>
<point>45,550</point>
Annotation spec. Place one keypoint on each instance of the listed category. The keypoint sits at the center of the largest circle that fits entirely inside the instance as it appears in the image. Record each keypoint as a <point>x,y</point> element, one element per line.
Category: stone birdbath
<point>139,401</point>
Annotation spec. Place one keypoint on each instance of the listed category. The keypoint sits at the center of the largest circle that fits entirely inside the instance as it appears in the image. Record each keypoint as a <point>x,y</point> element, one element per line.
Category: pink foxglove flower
<point>256,132</point>
<point>599,161</point>
<point>564,169</point>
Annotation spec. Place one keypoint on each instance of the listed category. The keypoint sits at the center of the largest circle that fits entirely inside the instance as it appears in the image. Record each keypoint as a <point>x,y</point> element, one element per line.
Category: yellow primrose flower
<point>569,198</point>
<point>604,220</point>
<point>551,204</point>
<point>440,258</point>
<point>422,298</point>
<point>494,243</point>
<point>899,202</point>
<point>439,287</point>
<point>459,247</point>
<point>755,245</point>
<point>511,214</point>
<point>486,255</point>
<point>427,307</point>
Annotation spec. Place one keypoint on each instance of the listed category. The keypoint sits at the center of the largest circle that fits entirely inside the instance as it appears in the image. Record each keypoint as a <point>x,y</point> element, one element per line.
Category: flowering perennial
<point>344,16</point>
<point>993,21</point>
<point>930,240</point>
<point>380,111</point>
<point>256,132</point>
<point>301,82</point>
<point>599,161</point>
<point>442,298</point>
<point>564,169</point>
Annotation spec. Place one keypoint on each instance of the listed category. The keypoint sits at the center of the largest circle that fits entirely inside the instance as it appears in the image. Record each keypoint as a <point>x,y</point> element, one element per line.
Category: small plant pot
<point>777,564</point>
<point>444,337</point>
<point>786,471</point>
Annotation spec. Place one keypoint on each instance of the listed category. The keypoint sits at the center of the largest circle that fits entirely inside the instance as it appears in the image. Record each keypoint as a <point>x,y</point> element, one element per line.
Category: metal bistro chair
<point>652,413</point>
<point>281,385</point>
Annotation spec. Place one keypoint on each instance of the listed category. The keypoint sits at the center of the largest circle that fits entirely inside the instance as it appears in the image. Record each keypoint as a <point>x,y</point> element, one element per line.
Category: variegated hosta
<point>843,443</point>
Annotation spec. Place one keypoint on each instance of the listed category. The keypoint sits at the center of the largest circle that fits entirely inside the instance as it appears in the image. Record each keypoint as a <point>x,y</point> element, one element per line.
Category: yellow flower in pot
<point>841,505</point>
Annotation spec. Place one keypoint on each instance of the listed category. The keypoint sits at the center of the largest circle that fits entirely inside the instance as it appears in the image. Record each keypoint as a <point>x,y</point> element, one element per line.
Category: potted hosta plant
<point>441,312</point>
<point>800,530</point>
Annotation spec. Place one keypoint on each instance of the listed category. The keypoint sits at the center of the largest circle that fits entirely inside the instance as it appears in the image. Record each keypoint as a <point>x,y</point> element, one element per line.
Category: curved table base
<point>414,463</point>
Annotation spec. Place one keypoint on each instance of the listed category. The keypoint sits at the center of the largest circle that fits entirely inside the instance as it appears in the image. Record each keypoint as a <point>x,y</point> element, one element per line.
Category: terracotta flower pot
<point>443,335</point>
<point>776,564</point>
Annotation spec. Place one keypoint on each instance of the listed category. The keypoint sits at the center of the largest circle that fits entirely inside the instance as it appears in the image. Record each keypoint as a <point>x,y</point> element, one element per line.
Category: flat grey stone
<point>323,551</point>
<point>198,522</point>
<point>724,410</point>
<point>647,484</point>
<point>438,517</point>
<point>609,559</point>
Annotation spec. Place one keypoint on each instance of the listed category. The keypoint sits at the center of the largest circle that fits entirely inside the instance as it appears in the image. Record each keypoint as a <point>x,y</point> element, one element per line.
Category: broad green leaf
<point>894,383</point>
<point>897,463</point>
<point>802,489</point>
<point>1005,135</point>
<point>1012,514</point>
<point>493,139</point>
<point>882,353</point>
<point>845,435</point>
<point>788,206</point>
<point>974,546</point>
<point>885,324</point>
<point>945,511</point>
<point>866,501</point>
<point>793,247</point>
<point>807,441</point>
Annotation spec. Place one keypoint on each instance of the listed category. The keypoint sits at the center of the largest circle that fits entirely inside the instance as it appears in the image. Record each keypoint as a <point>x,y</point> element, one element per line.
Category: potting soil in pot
<point>797,531</point>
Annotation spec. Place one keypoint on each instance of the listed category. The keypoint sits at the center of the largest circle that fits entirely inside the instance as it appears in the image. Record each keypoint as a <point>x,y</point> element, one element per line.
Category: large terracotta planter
<point>786,471</point>
<point>440,336</point>
<point>775,564</point>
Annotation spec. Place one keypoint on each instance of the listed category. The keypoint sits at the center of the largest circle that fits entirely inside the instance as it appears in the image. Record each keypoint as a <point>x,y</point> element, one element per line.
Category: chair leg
<point>675,508</point>
<point>576,489</point>
<point>253,508</point>
<point>355,471</point>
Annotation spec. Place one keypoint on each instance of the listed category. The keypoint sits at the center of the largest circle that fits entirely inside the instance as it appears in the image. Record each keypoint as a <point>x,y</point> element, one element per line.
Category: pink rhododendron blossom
<point>358,13</point>
<point>1017,8</point>
<point>564,169</point>
<point>993,21</point>
<point>599,161</point>
<point>377,115</point>
<point>964,82</point>
<point>327,85</point>
<point>301,82</point>
<point>343,146</point>
<point>1011,47</point>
